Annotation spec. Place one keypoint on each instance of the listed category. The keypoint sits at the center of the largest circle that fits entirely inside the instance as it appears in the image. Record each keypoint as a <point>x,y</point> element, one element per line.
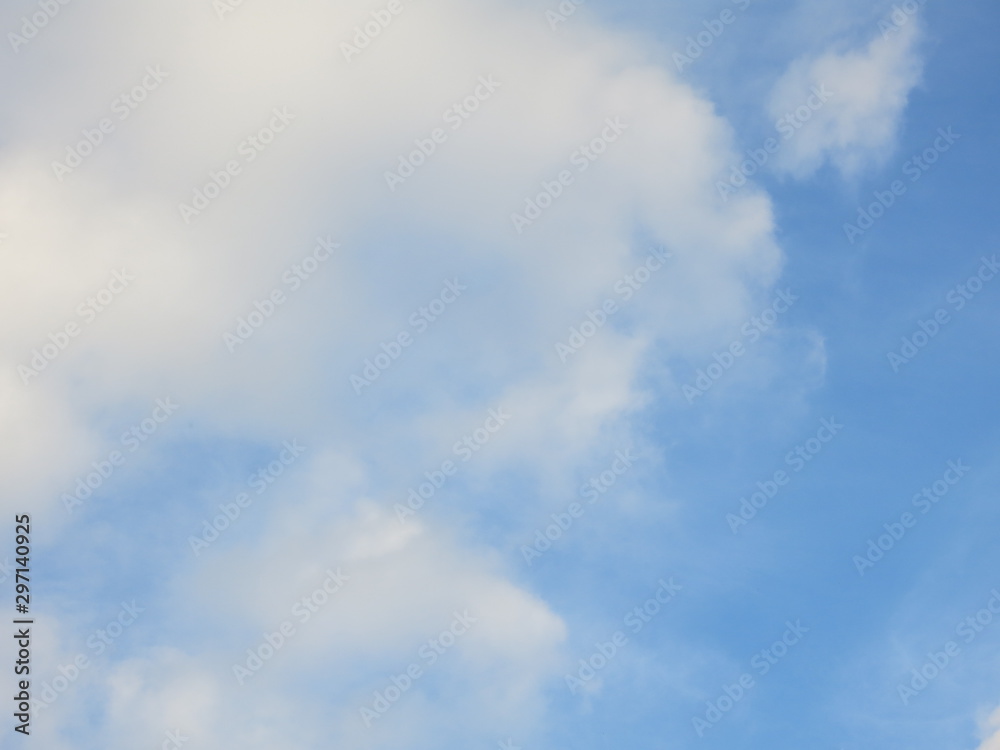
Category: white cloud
<point>164,334</point>
<point>404,585</point>
<point>856,127</point>
<point>993,725</point>
<point>452,218</point>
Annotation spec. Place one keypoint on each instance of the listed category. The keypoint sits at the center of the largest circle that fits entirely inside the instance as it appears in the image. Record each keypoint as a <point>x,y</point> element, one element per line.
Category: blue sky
<point>430,493</point>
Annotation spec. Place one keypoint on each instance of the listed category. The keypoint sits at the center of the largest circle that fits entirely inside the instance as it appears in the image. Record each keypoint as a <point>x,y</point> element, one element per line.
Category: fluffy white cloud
<point>652,175</point>
<point>845,106</point>
<point>993,725</point>
<point>325,176</point>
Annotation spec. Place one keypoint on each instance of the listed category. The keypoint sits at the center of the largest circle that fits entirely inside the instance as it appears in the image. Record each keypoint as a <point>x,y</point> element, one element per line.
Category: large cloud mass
<point>603,154</point>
